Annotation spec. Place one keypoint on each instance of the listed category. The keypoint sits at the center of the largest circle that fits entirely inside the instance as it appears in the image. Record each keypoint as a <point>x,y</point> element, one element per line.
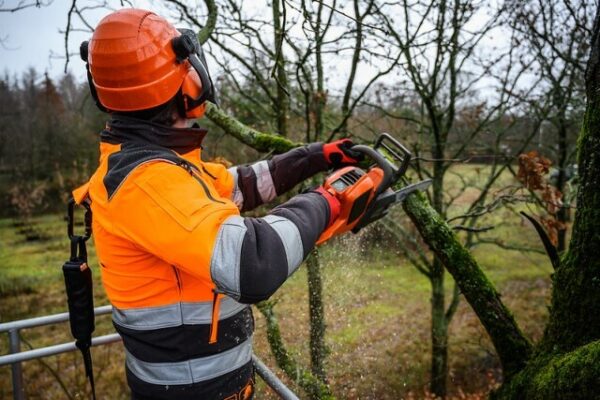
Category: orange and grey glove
<point>340,154</point>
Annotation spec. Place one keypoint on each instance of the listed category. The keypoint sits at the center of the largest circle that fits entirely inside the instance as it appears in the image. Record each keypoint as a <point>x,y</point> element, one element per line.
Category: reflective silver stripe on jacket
<point>172,315</point>
<point>191,371</point>
<point>290,237</point>
<point>226,258</point>
<point>236,196</point>
<point>264,181</point>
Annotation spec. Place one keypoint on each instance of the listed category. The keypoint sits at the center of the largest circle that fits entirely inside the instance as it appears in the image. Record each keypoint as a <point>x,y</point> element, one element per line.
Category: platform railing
<point>16,356</point>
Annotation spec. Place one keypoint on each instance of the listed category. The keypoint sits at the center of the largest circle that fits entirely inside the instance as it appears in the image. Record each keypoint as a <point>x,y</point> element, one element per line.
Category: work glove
<point>340,154</point>
<point>334,204</point>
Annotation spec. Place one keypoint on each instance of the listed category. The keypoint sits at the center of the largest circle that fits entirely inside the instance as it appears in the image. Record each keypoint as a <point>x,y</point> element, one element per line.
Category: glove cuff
<point>334,204</point>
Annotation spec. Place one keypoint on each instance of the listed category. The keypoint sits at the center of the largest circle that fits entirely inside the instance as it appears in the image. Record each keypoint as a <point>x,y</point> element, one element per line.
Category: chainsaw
<point>366,196</point>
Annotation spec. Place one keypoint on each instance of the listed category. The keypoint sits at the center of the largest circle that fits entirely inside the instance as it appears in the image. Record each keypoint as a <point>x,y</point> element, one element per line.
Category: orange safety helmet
<point>136,60</point>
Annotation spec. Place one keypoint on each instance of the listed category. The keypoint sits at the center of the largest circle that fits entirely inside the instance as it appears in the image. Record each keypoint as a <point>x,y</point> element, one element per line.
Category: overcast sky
<point>30,36</point>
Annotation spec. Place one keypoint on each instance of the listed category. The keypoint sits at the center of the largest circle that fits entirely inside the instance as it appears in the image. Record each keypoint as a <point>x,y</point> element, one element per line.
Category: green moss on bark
<point>260,141</point>
<point>573,375</point>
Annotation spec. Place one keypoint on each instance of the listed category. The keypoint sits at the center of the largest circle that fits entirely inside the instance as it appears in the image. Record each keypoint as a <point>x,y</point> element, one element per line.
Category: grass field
<point>377,311</point>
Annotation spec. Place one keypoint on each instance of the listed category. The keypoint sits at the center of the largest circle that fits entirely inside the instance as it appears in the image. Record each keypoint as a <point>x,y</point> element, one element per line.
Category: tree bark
<point>439,331</point>
<point>211,21</point>
<point>318,350</point>
<point>282,107</point>
<point>563,213</point>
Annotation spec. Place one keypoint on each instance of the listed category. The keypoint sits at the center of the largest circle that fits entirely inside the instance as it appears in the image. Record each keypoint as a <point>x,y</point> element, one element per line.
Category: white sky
<point>28,37</point>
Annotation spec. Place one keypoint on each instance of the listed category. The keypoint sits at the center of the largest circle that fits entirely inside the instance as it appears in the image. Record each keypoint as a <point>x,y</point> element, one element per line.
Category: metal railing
<point>16,356</point>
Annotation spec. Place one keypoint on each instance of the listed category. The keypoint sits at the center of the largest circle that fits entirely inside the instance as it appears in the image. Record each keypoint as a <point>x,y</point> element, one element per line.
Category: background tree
<point>444,59</point>
<point>553,38</point>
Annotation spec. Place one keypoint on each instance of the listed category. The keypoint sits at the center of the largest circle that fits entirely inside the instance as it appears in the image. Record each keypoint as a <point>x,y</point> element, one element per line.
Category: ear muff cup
<point>190,92</point>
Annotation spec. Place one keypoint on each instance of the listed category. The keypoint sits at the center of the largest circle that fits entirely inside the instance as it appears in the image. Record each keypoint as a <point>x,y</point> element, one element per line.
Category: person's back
<point>179,264</point>
<point>156,217</point>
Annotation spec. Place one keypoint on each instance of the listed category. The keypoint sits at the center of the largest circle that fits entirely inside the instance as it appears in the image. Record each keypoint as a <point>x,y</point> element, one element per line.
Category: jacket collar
<point>122,129</point>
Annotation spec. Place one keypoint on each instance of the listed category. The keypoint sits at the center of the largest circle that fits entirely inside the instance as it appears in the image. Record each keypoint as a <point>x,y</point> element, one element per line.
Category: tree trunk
<point>283,103</point>
<point>318,350</point>
<point>563,213</point>
<point>439,325</point>
<point>439,332</point>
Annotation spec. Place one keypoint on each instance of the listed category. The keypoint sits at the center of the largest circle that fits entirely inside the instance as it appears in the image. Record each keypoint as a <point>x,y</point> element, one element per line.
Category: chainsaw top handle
<point>390,149</point>
<point>380,160</point>
<point>394,149</point>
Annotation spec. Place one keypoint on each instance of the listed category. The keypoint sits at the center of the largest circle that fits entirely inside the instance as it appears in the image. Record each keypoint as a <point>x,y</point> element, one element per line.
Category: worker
<point>179,264</point>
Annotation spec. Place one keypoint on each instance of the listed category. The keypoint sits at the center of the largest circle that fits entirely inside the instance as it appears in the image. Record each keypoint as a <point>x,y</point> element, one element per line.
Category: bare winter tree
<point>553,36</point>
<point>444,58</point>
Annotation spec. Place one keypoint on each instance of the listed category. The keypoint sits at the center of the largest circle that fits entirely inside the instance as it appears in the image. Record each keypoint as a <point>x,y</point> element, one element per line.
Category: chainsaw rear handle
<point>380,160</point>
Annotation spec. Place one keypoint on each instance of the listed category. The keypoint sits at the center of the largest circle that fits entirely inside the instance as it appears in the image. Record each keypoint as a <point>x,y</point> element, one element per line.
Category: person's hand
<point>340,154</point>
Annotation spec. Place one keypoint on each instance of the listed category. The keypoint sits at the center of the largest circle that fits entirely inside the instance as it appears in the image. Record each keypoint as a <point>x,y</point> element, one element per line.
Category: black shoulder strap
<point>80,296</point>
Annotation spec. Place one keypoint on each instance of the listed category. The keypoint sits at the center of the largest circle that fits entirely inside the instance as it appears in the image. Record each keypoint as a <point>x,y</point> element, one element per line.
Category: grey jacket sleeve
<point>252,257</point>
<point>261,182</point>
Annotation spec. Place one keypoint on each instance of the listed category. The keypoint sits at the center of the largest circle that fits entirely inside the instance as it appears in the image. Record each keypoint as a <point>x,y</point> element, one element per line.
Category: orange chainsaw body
<point>355,190</point>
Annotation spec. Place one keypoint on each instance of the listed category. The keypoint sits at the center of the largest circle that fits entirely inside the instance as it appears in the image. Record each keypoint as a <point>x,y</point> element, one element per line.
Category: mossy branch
<point>511,345</point>
<point>211,21</point>
<point>304,378</point>
<point>260,141</point>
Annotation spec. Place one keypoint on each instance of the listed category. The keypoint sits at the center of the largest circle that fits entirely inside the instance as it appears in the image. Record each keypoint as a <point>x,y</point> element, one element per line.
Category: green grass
<point>376,305</point>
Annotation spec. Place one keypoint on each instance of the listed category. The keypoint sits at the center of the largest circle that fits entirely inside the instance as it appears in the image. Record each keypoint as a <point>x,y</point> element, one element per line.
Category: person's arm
<point>261,182</point>
<point>253,257</point>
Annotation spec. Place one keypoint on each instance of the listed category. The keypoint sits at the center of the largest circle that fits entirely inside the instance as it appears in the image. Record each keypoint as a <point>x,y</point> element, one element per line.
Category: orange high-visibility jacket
<point>179,264</point>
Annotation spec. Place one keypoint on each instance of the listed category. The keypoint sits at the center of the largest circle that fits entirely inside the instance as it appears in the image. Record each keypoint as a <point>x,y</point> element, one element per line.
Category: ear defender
<point>191,91</point>
<point>197,87</point>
